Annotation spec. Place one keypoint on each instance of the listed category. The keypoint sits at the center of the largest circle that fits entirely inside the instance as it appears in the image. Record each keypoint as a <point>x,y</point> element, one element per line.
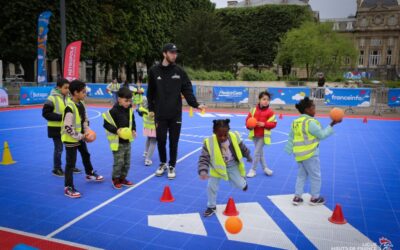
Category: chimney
<point>232,3</point>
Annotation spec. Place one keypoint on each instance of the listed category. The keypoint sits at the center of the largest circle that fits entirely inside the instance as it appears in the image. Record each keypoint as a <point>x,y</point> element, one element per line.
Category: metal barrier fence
<point>205,94</point>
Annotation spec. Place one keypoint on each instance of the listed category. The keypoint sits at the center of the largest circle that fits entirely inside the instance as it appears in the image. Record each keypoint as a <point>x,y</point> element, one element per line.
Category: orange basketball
<point>251,122</point>
<point>336,114</point>
<point>91,136</point>
<point>233,225</point>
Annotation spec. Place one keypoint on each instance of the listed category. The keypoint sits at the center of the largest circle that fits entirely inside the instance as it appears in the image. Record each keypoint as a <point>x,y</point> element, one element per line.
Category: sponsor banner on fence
<point>99,90</point>
<point>3,98</point>
<point>360,97</point>
<point>394,98</point>
<point>288,95</point>
<point>34,95</point>
<point>231,94</point>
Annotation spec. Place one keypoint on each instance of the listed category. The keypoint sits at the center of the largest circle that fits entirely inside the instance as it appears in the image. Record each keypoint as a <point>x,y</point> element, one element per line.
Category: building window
<point>336,26</point>
<point>349,26</point>
<point>361,58</point>
<point>376,42</point>
<point>374,57</point>
<point>389,57</point>
<point>362,42</point>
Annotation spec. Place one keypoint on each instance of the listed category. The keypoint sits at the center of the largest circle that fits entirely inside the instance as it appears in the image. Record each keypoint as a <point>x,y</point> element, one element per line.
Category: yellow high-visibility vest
<point>304,143</point>
<point>65,137</point>
<point>147,121</point>
<point>218,166</point>
<point>267,133</point>
<point>137,98</point>
<point>59,107</point>
<point>113,139</point>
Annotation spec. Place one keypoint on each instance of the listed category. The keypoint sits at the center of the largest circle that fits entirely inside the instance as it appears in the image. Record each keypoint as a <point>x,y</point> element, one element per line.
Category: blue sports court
<point>360,171</point>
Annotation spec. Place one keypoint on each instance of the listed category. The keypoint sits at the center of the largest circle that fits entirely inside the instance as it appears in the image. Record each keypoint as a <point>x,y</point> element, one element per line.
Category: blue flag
<point>43,23</point>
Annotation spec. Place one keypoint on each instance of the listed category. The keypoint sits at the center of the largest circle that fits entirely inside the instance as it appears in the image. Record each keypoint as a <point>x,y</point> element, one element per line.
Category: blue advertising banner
<point>231,94</point>
<point>360,97</point>
<point>97,90</point>
<point>43,23</point>
<point>394,97</point>
<point>288,95</point>
<point>34,95</point>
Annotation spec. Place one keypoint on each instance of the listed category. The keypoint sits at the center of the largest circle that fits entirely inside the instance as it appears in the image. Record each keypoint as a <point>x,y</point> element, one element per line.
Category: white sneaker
<point>160,170</point>
<point>251,173</point>
<point>268,171</point>
<point>171,173</point>
<point>147,162</point>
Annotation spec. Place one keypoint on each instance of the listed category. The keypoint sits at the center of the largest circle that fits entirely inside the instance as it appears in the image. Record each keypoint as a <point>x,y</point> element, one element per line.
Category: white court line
<point>62,228</point>
<point>37,236</point>
<point>41,126</point>
<point>313,222</point>
<point>197,142</point>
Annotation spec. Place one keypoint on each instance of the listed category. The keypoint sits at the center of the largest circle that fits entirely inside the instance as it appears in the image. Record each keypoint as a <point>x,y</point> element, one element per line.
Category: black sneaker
<point>246,187</point>
<point>317,201</point>
<point>209,211</point>
<point>297,200</point>
<point>58,172</point>
<point>76,171</point>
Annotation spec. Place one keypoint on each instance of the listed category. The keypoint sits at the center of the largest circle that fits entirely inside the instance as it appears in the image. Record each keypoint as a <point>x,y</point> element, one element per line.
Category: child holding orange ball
<point>303,142</point>
<point>74,132</point>
<point>261,132</point>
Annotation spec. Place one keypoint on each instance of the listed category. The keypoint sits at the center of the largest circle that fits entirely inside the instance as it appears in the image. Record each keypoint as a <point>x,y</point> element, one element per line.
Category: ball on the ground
<point>251,122</point>
<point>336,114</point>
<point>126,134</point>
<point>233,225</point>
<point>90,136</point>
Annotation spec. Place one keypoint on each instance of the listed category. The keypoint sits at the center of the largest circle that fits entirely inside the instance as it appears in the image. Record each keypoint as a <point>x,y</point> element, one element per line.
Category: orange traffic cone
<point>337,216</point>
<point>230,209</point>
<point>365,120</point>
<point>7,158</point>
<point>280,116</point>
<point>167,195</point>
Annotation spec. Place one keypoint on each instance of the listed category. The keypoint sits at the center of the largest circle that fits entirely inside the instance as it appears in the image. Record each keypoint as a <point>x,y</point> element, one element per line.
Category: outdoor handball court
<point>360,167</point>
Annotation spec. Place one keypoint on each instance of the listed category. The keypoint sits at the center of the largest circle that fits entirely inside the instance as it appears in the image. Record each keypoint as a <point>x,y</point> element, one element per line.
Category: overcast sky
<point>326,8</point>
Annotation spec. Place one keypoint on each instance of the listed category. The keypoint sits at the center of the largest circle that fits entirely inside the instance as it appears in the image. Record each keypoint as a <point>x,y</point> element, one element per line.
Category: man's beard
<point>169,60</point>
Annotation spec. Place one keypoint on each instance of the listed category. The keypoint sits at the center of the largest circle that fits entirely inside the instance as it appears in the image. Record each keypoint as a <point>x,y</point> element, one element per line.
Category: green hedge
<point>209,75</point>
<point>247,74</point>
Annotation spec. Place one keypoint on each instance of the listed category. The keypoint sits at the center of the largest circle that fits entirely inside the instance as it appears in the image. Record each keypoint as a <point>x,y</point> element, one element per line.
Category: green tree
<point>206,43</point>
<point>258,29</point>
<point>316,47</point>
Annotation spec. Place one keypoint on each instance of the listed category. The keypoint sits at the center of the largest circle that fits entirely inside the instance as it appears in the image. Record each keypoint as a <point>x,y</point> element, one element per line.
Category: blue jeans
<point>309,168</point>
<point>115,97</point>
<point>258,153</point>
<point>235,179</point>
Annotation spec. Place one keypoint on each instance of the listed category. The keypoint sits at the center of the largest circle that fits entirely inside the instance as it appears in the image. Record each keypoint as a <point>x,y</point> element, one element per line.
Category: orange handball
<point>251,122</point>
<point>336,114</point>
<point>233,225</point>
<point>90,136</point>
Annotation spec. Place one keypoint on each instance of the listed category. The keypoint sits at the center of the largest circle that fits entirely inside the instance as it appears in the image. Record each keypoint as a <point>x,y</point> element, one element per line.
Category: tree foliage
<point>258,29</point>
<point>317,48</point>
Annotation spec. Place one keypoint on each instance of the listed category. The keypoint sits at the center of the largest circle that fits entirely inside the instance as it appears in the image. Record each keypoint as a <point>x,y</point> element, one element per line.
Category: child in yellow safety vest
<point>120,116</point>
<point>75,128</point>
<point>53,110</point>
<point>222,158</point>
<point>303,142</point>
<point>149,131</point>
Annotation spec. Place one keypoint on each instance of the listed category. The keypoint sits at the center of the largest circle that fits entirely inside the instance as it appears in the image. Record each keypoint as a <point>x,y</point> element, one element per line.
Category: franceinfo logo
<point>230,93</point>
<point>347,98</point>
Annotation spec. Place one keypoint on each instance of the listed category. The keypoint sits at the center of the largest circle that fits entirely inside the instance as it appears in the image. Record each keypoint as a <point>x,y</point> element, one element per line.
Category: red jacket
<point>262,115</point>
